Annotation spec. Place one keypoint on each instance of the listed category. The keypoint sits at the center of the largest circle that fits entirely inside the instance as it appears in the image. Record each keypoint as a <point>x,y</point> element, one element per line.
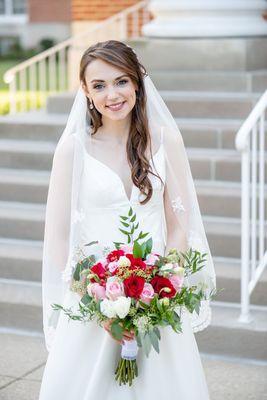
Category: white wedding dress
<point>83,357</point>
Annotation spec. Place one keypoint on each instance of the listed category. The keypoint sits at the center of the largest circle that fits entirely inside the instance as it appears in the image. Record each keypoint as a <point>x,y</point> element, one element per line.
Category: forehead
<point>99,69</point>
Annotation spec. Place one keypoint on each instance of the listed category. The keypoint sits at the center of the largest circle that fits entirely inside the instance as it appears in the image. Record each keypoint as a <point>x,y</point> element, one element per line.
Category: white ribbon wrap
<point>129,349</point>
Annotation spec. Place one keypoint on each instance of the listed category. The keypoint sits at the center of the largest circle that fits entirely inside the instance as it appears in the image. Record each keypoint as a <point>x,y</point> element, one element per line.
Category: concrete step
<point>24,185</point>
<point>221,81</point>
<point>22,220</point>
<point>184,104</point>
<point>201,54</point>
<point>21,259</point>
<point>33,125</point>
<point>26,221</point>
<point>209,132</point>
<point>36,155</point>
<point>220,198</point>
<point>226,336</point>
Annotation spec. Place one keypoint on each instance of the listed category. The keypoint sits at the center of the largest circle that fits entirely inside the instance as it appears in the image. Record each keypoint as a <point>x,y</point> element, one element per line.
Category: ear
<point>86,92</point>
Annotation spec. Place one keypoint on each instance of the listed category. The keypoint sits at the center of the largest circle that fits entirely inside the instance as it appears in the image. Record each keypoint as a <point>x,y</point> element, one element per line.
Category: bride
<point>121,147</point>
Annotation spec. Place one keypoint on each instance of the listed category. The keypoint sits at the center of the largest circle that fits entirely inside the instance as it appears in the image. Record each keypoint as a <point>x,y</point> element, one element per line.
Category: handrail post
<point>245,224</point>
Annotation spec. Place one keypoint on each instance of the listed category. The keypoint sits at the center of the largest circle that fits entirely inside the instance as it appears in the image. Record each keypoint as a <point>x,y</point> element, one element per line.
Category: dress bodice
<point>103,199</point>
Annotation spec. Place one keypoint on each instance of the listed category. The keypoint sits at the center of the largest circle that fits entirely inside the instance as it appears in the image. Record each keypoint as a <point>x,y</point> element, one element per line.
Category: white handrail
<point>53,69</point>
<point>250,141</point>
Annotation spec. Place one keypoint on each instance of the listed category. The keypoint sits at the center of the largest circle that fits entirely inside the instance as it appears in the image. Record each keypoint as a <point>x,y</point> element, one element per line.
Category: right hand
<point>127,335</point>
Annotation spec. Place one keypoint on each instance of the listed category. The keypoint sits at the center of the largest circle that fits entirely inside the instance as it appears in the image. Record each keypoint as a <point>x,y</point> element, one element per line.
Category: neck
<point>116,130</point>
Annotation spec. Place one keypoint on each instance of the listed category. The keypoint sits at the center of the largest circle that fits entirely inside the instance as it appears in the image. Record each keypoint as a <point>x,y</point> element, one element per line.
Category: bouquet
<point>136,290</point>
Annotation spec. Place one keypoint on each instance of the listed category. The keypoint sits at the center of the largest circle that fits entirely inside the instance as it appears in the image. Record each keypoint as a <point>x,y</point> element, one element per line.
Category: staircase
<point>209,107</point>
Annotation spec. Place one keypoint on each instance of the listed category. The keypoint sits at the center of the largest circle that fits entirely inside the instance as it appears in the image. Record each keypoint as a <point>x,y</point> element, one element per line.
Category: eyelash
<point>122,80</point>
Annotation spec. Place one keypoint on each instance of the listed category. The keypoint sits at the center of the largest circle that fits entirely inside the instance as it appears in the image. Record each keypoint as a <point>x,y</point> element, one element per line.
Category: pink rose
<point>177,282</point>
<point>112,266</point>
<point>114,289</point>
<point>151,259</point>
<point>97,291</point>
<point>147,293</point>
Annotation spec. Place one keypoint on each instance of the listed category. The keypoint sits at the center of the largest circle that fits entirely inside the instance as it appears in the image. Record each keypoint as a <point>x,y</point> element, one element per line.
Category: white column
<point>206,18</point>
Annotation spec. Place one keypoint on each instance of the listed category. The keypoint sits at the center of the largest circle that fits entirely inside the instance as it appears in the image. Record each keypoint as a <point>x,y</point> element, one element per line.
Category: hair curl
<point>122,56</point>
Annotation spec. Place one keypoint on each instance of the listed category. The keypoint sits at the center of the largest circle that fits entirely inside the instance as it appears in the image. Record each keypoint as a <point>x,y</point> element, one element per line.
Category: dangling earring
<point>91,106</point>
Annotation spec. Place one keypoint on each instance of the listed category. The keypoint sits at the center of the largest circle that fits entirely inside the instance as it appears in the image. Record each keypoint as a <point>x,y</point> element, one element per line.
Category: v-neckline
<point>117,175</point>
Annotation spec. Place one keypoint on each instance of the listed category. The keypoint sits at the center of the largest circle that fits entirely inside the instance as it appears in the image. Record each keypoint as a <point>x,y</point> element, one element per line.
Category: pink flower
<point>177,282</point>
<point>112,266</point>
<point>97,291</point>
<point>114,288</point>
<point>147,293</point>
<point>151,259</point>
<point>126,248</point>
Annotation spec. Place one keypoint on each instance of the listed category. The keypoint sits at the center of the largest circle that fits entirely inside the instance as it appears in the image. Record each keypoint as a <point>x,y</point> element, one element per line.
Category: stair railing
<point>250,141</point>
<point>56,69</point>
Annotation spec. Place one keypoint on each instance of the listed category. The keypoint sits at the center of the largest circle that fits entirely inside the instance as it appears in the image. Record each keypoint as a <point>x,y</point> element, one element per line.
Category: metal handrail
<point>250,141</point>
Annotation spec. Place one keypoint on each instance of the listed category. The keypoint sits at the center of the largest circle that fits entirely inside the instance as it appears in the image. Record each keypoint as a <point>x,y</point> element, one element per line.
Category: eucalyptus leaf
<point>116,330</point>
<point>154,340</point>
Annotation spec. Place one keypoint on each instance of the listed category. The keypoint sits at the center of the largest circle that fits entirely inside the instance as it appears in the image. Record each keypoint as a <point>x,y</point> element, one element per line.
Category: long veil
<point>63,218</point>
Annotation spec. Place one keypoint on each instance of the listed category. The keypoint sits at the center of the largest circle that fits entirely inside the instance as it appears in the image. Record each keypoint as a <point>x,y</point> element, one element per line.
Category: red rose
<point>114,255</point>
<point>133,286</point>
<point>136,263</point>
<point>159,282</point>
<point>99,270</point>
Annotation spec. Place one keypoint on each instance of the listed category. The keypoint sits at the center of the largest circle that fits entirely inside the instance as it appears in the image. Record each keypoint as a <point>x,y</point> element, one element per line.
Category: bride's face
<point>110,89</point>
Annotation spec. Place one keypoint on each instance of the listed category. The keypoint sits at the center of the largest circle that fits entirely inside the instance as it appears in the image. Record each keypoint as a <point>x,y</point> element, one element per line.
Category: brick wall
<point>50,10</point>
<point>96,10</point>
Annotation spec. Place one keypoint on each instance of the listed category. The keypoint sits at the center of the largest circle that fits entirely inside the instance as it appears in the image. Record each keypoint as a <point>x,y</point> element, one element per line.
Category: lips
<point>116,106</point>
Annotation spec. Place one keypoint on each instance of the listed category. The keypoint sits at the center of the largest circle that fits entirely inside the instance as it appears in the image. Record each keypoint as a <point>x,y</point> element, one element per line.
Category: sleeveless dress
<point>83,357</point>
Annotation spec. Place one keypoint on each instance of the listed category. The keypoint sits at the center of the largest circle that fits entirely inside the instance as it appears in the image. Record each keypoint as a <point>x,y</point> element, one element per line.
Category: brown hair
<point>122,56</point>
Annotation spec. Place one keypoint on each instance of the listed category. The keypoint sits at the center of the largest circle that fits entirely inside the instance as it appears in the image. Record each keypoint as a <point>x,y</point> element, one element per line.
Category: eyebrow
<point>101,80</point>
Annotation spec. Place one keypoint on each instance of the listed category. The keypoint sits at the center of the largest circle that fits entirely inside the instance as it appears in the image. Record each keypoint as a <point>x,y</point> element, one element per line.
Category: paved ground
<point>22,361</point>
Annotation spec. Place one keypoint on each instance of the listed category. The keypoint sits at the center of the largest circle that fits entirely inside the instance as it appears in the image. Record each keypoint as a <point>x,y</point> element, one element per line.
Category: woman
<point>121,147</point>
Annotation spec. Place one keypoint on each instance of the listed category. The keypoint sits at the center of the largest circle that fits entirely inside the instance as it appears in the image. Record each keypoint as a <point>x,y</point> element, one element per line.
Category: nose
<point>112,93</point>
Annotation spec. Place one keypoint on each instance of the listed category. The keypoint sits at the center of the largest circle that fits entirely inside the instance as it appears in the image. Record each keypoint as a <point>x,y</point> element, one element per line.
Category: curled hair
<point>123,57</point>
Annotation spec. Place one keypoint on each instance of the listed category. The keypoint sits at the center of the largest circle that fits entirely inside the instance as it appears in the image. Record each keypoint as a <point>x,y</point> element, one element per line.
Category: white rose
<point>124,261</point>
<point>107,308</point>
<point>166,267</point>
<point>122,306</point>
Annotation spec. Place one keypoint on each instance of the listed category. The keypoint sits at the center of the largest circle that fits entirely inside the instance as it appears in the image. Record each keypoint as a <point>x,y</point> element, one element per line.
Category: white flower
<point>107,308</point>
<point>166,267</point>
<point>177,204</point>
<point>124,261</point>
<point>122,306</point>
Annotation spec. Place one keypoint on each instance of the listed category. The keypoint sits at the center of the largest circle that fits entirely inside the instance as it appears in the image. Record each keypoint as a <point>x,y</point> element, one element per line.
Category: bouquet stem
<point>127,368</point>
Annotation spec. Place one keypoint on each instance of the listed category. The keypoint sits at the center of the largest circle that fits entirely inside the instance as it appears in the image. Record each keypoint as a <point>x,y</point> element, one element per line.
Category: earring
<point>91,106</point>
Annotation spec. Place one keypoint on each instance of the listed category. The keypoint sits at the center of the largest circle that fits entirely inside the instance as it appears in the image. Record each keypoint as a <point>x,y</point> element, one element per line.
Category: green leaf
<point>90,243</point>
<point>157,332</point>
<point>86,299</point>
<point>130,211</point>
<point>116,330</point>
<point>136,226</point>
<point>125,232</point>
<point>124,218</point>
<point>146,344</point>
<point>125,224</point>
<point>137,250</point>
<point>154,340</point>
<point>133,218</point>
<point>149,244</point>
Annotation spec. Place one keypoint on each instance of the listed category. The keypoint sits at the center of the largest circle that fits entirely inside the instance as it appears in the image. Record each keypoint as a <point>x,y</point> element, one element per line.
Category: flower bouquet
<point>136,290</point>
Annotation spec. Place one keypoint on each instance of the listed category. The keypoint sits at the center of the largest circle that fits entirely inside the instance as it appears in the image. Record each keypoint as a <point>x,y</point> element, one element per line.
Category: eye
<point>97,86</point>
<point>123,80</point>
